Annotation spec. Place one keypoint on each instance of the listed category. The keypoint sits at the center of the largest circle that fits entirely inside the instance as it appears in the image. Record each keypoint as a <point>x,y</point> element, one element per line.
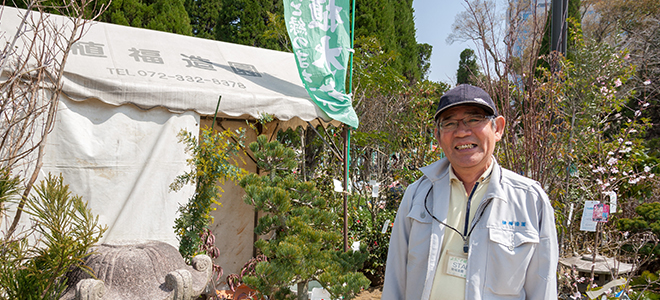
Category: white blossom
<point>612,161</point>
<point>647,82</point>
<point>647,169</point>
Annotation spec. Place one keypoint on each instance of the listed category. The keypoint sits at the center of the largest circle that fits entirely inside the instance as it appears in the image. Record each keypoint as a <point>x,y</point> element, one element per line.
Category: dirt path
<point>372,293</point>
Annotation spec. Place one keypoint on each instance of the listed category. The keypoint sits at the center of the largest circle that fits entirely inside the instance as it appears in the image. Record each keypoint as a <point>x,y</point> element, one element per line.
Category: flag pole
<point>347,133</point>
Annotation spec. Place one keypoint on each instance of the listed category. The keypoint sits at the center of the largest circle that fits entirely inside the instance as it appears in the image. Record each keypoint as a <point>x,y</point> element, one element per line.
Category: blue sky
<point>433,20</point>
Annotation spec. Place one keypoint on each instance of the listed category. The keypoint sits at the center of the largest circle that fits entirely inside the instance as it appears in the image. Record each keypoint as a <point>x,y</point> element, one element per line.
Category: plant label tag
<point>338,186</point>
<point>355,246</point>
<point>613,202</point>
<point>385,226</point>
<point>374,190</point>
<point>457,266</point>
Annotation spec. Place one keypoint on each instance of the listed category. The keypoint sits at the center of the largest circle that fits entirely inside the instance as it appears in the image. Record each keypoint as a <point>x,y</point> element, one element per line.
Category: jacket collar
<point>440,170</point>
<point>436,170</point>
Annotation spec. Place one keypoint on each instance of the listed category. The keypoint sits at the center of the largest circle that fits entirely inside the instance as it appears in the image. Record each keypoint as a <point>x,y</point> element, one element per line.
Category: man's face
<point>469,150</point>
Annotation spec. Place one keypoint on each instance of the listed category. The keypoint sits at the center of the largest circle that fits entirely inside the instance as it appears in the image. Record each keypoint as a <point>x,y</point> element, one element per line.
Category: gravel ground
<point>372,293</point>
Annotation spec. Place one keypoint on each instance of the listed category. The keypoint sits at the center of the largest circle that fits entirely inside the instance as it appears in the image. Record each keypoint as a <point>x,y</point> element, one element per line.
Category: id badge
<point>456,265</point>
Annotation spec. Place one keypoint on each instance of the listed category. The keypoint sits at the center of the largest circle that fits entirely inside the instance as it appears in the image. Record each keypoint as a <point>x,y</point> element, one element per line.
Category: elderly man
<point>468,228</point>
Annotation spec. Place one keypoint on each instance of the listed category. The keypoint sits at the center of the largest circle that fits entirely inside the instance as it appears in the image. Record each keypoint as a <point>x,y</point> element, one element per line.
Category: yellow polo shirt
<point>445,285</point>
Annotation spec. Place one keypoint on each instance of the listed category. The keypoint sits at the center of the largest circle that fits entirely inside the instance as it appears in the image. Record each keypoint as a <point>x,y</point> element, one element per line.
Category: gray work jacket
<point>513,248</point>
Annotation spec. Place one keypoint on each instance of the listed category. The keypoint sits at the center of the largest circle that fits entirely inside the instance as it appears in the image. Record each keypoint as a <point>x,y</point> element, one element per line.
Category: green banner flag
<point>319,35</point>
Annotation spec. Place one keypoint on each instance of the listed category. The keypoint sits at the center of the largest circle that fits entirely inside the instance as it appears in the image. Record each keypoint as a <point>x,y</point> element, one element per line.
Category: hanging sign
<point>587,223</point>
<point>319,34</point>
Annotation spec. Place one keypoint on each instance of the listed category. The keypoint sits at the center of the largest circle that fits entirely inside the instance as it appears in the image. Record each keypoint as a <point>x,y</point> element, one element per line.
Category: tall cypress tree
<point>392,23</point>
<point>203,15</point>
<point>245,22</point>
<point>406,41</point>
<point>162,15</point>
<point>468,69</point>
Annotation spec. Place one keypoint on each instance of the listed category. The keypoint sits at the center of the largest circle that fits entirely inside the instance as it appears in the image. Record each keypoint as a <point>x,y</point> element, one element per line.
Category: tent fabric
<point>123,65</point>
<point>128,92</point>
<point>121,160</point>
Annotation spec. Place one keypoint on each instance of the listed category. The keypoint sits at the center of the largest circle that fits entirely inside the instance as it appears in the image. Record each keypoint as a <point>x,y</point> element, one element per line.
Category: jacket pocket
<point>420,233</point>
<point>509,255</point>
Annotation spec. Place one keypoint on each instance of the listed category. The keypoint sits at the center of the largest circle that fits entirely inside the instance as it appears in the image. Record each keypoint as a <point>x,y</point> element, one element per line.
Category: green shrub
<point>33,263</point>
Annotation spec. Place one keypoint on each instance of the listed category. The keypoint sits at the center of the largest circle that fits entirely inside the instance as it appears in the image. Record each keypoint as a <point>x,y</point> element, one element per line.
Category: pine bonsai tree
<point>303,239</point>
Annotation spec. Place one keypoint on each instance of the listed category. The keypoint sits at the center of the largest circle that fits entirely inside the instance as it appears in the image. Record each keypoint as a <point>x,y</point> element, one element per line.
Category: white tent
<point>128,92</point>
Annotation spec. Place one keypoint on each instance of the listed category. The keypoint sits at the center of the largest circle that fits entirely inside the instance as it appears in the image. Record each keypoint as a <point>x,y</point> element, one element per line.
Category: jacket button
<point>422,215</point>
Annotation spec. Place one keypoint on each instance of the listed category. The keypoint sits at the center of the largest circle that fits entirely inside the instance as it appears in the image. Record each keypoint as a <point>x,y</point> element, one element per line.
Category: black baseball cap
<point>466,94</point>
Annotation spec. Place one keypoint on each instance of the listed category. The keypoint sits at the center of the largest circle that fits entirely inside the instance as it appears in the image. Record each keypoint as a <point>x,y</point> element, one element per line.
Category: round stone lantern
<point>139,270</point>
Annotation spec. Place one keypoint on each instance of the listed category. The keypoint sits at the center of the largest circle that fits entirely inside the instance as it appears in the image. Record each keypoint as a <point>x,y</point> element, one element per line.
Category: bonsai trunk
<point>303,290</point>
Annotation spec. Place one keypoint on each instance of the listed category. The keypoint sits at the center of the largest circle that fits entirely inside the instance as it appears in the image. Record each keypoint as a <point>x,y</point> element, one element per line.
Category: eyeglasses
<point>470,122</point>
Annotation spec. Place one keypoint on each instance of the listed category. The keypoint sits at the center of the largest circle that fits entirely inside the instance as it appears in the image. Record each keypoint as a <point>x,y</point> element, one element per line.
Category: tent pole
<point>216,112</point>
<point>345,135</point>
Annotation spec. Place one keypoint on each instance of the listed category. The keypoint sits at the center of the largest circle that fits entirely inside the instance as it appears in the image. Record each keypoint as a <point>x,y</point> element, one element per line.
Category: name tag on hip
<point>457,266</point>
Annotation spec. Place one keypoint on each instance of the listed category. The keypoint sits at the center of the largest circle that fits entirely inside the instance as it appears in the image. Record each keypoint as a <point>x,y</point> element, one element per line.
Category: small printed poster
<point>606,212</point>
<point>598,213</point>
<point>601,212</point>
<point>587,223</point>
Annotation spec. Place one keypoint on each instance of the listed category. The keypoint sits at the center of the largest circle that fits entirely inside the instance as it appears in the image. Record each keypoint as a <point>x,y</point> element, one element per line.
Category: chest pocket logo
<point>509,254</point>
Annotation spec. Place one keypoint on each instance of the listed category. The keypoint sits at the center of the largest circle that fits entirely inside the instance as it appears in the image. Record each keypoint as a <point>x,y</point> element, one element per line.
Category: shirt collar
<point>484,177</point>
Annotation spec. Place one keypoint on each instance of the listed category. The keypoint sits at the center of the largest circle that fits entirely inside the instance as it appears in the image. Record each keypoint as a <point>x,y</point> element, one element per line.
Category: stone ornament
<point>139,270</point>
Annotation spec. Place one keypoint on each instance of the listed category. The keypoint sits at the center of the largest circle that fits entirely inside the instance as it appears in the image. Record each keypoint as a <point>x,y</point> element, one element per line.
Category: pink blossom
<point>617,82</point>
